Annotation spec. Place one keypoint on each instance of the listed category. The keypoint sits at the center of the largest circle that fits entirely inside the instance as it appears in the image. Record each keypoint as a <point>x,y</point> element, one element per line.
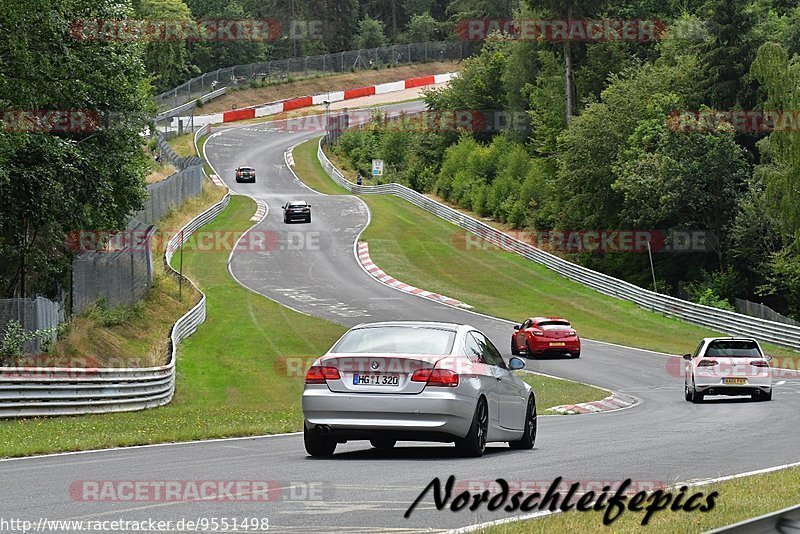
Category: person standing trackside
<point>358,178</point>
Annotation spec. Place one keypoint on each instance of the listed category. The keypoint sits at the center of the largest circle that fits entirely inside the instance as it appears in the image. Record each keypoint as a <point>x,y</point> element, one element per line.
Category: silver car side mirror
<point>515,364</point>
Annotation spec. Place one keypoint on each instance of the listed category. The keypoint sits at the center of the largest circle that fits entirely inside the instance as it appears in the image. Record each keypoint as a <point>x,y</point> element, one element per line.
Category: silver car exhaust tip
<point>322,429</point>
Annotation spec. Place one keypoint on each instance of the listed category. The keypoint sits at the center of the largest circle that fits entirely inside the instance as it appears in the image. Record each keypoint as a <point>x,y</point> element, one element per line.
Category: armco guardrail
<point>40,391</point>
<point>722,320</point>
<point>188,106</point>
<point>786,520</point>
<point>280,70</point>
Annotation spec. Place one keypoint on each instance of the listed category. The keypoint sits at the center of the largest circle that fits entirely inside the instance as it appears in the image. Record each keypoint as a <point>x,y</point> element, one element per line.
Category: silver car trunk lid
<point>374,373</point>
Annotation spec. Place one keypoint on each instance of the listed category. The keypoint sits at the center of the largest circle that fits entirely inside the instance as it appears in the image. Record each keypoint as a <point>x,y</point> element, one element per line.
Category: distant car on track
<point>727,366</point>
<point>416,381</point>
<point>296,210</point>
<point>545,335</point>
<point>246,174</point>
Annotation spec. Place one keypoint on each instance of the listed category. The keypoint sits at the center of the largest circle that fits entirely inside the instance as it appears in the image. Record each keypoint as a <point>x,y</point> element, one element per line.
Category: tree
<point>683,180</point>
<point>216,53</point>
<point>780,77</point>
<point>389,12</point>
<point>479,86</point>
<point>780,169</point>
<point>55,182</point>
<point>168,61</point>
<point>370,34</point>
<point>421,28</point>
<point>591,146</point>
<point>570,10</point>
<point>482,9</point>
<point>727,57</point>
<point>546,105</point>
<point>339,20</point>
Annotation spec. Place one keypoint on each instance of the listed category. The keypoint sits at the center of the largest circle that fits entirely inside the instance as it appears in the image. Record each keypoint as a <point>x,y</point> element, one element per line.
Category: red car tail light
<point>319,374</point>
<point>537,333</point>
<point>436,377</point>
<point>707,363</point>
<point>759,363</point>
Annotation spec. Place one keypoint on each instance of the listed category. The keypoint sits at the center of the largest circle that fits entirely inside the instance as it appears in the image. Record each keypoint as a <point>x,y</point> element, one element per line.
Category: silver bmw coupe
<point>416,381</point>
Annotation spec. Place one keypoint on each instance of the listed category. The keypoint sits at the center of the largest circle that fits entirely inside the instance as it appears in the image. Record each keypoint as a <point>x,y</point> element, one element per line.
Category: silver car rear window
<point>396,340</point>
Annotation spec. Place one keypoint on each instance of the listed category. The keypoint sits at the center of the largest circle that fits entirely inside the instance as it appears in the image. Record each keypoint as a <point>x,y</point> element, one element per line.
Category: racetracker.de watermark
<point>740,120</point>
<point>200,241</point>
<point>472,120</point>
<point>560,30</point>
<point>211,490</point>
<point>157,30</point>
<point>593,241</point>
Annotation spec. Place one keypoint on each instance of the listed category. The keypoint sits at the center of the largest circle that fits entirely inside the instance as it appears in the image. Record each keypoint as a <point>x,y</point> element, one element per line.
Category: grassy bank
<point>739,499</point>
<point>136,335</point>
<point>183,144</point>
<point>423,250</point>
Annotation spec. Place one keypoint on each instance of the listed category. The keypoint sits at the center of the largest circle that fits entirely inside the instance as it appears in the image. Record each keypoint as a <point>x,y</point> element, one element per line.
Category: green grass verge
<point>739,499</point>
<point>423,250</point>
<point>183,144</point>
<point>552,392</point>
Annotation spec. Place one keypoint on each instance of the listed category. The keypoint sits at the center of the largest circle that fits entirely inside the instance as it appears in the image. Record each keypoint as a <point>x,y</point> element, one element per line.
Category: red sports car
<point>539,335</point>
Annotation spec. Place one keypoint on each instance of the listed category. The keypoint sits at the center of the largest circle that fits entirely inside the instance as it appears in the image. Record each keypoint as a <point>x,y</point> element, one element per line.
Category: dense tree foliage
<point>631,135</point>
<point>72,177</point>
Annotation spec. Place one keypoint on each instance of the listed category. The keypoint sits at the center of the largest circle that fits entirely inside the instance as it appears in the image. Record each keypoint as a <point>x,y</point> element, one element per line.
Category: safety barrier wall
<point>271,108</point>
<point>722,320</point>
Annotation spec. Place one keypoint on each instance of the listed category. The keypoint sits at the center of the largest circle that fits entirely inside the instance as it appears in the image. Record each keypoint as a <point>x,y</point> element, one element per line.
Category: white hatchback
<point>727,366</point>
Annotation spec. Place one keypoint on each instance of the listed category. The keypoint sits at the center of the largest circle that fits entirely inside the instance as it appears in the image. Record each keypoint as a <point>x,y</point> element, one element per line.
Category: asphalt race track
<point>312,269</point>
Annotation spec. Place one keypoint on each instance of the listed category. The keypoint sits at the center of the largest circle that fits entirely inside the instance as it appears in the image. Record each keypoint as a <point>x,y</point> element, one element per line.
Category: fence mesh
<point>280,70</point>
<point>122,275</point>
<point>756,309</point>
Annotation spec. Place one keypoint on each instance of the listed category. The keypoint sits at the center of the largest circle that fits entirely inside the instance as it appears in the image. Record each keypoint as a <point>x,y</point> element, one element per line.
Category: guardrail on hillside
<point>722,320</point>
<point>191,105</point>
<point>47,391</point>
<point>282,69</point>
<point>163,146</point>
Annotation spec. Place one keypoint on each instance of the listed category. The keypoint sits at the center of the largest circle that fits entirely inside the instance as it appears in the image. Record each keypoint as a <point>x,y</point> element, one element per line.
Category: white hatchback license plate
<point>738,381</point>
<point>375,380</point>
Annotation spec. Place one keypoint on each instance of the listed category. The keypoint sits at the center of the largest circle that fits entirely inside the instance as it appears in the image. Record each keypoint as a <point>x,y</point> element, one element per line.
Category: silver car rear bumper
<point>434,411</point>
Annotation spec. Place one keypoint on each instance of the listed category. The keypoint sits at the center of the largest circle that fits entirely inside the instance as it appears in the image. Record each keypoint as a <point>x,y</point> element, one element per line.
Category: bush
<point>709,298</point>
<point>14,337</point>
<point>104,316</point>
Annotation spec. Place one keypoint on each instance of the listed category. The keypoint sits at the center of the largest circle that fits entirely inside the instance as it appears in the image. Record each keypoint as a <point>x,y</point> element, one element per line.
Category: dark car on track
<point>297,210</point>
<point>246,174</point>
